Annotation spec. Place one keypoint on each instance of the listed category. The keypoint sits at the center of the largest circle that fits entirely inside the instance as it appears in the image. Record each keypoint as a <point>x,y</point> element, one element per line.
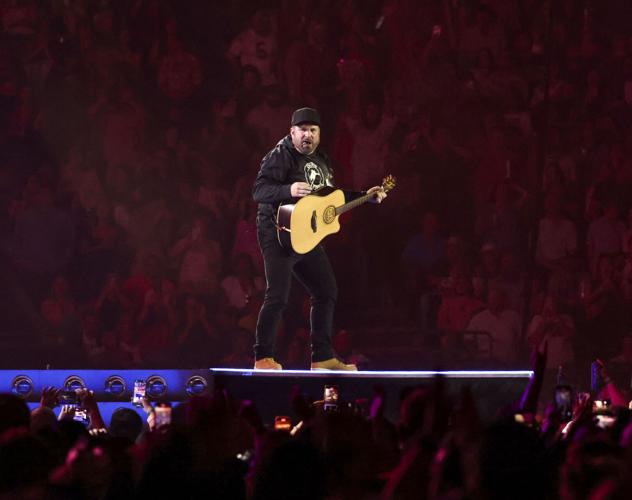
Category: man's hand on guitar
<point>378,194</point>
<point>300,189</point>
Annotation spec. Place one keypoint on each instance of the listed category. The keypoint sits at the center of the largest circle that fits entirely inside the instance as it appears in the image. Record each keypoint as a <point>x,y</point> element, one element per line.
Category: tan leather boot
<point>267,364</point>
<point>333,364</point>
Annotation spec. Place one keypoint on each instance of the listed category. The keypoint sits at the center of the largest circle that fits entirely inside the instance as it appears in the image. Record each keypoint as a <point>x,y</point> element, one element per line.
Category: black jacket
<point>279,169</point>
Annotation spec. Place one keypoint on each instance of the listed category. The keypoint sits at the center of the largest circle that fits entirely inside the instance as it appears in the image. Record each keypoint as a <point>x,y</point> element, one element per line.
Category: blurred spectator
<point>249,93</point>
<point>483,32</point>
<point>370,136</point>
<point>157,319</point>
<point>605,234</point>
<point>91,337</point>
<point>556,330</point>
<point>267,121</point>
<point>121,119</point>
<point>425,252</point>
<point>180,73</point>
<point>601,301</point>
<point>557,236</point>
<point>246,234</point>
<point>298,351</point>
<point>145,272</point>
<point>458,306</point>
<point>422,261</point>
<point>242,285</point>
<point>59,311</point>
<point>112,303</point>
<point>44,239</point>
<point>239,350</point>
<point>501,223</point>
<point>311,79</point>
<point>257,46</point>
<point>196,335</point>
<point>503,325</point>
<point>510,279</point>
<point>200,260</point>
<point>146,219</point>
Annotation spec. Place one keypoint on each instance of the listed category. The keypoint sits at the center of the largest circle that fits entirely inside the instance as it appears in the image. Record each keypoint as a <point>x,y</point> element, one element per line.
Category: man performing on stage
<point>293,169</point>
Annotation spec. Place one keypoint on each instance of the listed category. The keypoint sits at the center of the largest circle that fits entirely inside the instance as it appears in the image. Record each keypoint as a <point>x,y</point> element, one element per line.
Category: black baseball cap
<point>305,115</point>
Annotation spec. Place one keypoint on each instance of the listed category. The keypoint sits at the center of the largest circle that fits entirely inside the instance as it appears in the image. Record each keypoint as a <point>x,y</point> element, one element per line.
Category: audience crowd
<point>437,447</point>
<point>132,131</point>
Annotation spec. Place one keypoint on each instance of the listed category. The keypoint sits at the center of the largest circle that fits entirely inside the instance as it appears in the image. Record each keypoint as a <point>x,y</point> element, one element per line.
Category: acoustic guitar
<point>303,225</point>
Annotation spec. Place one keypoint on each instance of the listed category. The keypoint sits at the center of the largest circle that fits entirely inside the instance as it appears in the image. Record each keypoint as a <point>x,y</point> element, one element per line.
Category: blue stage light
<point>22,386</point>
<point>156,387</point>
<point>74,382</point>
<point>115,386</point>
<point>196,386</point>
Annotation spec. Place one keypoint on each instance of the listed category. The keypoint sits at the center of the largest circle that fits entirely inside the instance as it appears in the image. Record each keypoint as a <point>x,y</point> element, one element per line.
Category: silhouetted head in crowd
<point>294,470</point>
<point>512,463</point>
<point>24,466</point>
<point>126,423</point>
<point>588,463</point>
<point>43,419</point>
<point>14,413</point>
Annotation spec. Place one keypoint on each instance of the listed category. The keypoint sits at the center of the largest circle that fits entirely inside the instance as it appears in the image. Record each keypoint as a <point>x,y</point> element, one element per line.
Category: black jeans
<point>314,272</point>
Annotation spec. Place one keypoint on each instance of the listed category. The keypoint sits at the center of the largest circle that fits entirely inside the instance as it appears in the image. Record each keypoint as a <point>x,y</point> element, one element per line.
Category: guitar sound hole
<point>314,227</point>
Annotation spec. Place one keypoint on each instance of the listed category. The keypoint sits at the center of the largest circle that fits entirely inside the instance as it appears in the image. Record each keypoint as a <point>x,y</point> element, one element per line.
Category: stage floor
<point>414,374</point>
<point>270,389</point>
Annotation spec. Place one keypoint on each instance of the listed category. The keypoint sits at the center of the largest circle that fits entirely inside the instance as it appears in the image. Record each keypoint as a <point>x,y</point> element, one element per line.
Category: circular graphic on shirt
<point>314,176</point>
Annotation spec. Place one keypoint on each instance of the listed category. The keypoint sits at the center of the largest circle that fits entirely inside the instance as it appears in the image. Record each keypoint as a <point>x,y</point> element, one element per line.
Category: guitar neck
<point>352,204</point>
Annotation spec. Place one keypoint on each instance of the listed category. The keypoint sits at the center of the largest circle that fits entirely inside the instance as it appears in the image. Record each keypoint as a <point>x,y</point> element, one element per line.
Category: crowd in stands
<point>131,132</point>
<point>437,447</point>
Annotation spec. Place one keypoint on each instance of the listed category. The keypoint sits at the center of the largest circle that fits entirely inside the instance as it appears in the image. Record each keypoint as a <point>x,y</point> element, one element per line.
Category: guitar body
<point>303,225</point>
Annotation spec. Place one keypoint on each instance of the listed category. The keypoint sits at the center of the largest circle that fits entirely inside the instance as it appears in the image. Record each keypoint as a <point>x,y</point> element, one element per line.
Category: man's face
<point>305,137</point>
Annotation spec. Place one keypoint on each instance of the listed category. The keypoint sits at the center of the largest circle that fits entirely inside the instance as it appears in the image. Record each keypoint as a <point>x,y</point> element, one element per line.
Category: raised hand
<point>89,403</point>
<point>49,397</point>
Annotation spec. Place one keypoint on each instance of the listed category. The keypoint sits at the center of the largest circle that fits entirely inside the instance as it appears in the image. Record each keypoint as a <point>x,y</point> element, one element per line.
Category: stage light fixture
<point>22,386</point>
<point>196,385</point>
<point>156,387</point>
<point>74,382</point>
<point>115,386</point>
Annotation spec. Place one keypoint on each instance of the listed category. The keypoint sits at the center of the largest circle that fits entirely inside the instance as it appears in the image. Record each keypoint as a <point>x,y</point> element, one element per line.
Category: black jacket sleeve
<point>271,183</point>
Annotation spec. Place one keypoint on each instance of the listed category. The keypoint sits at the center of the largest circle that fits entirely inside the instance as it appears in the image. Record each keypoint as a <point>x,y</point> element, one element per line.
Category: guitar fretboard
<point>352,204</point>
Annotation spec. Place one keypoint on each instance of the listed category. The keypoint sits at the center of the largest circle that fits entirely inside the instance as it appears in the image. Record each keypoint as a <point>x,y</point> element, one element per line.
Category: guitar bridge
<point>314,225</point>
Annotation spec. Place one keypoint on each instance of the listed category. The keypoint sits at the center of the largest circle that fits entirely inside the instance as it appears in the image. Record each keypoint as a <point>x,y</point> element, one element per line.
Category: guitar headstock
<point>388,183</point>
